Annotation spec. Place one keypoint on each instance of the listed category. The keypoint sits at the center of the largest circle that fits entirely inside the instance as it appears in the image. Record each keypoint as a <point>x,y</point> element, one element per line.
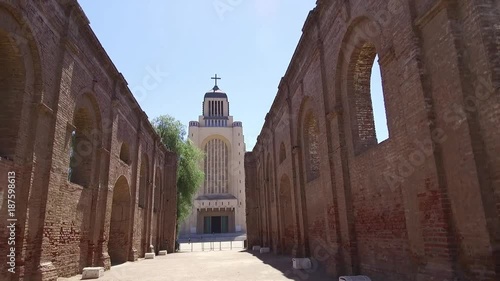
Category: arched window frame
<point>360,95</point>
<point>84,142</point>
<point>216,166</point>
<point>143,182</point>
<point>310,134</point>
<point>125,153</point>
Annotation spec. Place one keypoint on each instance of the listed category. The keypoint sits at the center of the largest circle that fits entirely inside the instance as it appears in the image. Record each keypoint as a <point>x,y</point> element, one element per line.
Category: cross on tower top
<point>216,78</point>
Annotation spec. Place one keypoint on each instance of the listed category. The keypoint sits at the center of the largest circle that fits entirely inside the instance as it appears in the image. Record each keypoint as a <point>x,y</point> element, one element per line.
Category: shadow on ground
<point>284,265</point>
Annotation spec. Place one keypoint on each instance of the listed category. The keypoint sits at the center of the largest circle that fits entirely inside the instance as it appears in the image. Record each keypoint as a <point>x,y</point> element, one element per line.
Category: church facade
<point>219,205</point>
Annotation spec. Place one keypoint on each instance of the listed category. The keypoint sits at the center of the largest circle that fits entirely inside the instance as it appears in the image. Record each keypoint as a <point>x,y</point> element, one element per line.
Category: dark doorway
<point>118,244</point>
<point>216,224</point>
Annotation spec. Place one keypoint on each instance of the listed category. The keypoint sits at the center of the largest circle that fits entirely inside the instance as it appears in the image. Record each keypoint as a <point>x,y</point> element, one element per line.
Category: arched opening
<point>287,215</point>
<point>368,115</point>
<point>125,153</point>
<point>282,152</point>
<point>263,205</point>
<point>310,136</point>
<point>118,244</point>
<point>378,102</point>
<point>272,211</point>
<point>83,143</point>
<point>216,167</point>
<point>12,91</point>
<point>270,178</point>
<point>143,180</point>
<point>157,191</point>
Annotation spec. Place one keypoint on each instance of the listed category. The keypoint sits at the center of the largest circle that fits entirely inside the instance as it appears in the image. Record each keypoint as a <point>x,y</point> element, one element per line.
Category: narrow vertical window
<point>366,99</point>
<point>82,148</point>
<point>377,96</point>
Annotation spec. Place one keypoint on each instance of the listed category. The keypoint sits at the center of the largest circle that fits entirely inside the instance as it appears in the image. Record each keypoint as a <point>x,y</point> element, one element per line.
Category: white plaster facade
<point>223,192</point>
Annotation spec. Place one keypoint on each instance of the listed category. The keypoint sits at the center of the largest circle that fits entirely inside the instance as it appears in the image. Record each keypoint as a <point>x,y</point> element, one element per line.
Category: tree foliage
<point>189,174</point>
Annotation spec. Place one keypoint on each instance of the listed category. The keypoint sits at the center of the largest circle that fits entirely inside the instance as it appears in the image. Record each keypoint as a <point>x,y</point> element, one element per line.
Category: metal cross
<point>216,78</point>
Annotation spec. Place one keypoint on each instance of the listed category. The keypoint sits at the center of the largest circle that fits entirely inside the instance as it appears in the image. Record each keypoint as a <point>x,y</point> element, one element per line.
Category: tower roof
<point>216,92</point>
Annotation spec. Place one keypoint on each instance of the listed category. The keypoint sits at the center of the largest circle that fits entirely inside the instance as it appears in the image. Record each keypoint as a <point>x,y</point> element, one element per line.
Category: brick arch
<point>282,154</point>
<point>143,190</point>
<point>286,215</point>
<point>120,225</point>
<point>85,140</point>
<point>361,29</point>
<point>308,140</point>
<point>143,180</point>
<point>310,144</point>
<point>271,202</point>
<point>20,85</point>
<point>264,203</point>
<point>359,97</point>
<point>304,117</point>
<point>368,214</point>
<point>261,205</point>
<point>270,175</point>
<point>361,44</point>
<point>12,83</point>
<point>157,191</point>
<point>88,98</point>
<point>125,153</point>
<point>305,106</point>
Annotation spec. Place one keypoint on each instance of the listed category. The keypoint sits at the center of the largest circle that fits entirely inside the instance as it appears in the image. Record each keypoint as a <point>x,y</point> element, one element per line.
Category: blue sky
<point>168,50</point>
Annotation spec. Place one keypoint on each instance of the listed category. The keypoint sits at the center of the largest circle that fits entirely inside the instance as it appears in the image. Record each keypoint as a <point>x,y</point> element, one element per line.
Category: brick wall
<point>76,197</point>
<point>421,205</point>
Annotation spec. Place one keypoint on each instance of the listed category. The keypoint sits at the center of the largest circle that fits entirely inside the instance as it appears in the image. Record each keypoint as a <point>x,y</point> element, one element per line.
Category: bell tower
<point>219,205</point>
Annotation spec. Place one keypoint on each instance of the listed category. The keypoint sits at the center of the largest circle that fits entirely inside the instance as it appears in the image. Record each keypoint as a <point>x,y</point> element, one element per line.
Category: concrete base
<point>162,253</point>
<point>45,271</point>
<point>92,272</point>
<point>265,250</point>
<point>301,263</point>
<point>256,248</point>
<point>354,278</point>
<point>149,256</point>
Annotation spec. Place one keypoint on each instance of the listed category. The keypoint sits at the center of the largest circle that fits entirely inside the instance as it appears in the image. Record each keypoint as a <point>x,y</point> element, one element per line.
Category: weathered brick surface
<point>422,205</point>
<point>56,79</point>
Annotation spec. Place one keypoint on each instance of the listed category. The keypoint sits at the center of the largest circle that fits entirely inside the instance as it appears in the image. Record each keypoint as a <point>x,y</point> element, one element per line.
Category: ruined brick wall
<point>421,205</point>
<point>252,207</point>
<point>75,137</point>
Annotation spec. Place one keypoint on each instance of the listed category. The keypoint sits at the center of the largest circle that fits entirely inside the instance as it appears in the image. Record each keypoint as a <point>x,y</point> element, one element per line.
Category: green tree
<point>189,175</point>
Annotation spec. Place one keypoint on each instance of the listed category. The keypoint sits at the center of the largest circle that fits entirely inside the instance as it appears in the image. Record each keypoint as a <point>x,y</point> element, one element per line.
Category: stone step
<point>301,263</point>
<point>92,272</point>
<point>162,253</point>
<point>354,278</point>
<point>265,250</point>
<point>149,256</point>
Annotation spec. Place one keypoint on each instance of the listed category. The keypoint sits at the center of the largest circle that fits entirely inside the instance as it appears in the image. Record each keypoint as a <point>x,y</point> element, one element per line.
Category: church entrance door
<point>216,224</point>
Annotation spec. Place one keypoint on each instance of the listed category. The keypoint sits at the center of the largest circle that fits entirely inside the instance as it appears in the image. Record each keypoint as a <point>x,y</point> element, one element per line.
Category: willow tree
<point>189,174</point>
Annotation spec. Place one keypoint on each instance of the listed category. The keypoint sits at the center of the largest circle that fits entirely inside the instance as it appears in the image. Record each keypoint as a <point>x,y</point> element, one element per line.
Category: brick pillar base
<point>134,255</point>
<point>104,261</point>
<point>45,272</point>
